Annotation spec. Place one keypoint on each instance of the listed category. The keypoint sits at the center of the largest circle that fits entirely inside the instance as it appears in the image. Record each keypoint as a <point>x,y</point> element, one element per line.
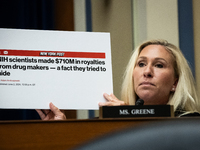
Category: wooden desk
<point>60,135</point>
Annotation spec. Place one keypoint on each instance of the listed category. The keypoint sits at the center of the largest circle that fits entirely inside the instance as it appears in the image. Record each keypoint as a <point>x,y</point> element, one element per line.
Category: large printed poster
<point>70,69</point>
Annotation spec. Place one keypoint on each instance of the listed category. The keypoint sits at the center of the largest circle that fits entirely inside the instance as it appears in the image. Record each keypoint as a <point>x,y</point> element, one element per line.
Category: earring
<point>173,89</point>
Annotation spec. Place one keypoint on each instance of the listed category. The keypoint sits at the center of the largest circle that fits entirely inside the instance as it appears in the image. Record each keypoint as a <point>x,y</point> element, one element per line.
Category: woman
<point>159,74</point>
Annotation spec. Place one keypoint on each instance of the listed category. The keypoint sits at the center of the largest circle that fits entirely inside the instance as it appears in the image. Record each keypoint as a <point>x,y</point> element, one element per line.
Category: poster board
<point>70,69</point>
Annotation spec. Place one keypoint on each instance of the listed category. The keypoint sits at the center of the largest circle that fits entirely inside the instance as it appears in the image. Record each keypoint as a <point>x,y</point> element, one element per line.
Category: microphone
<point>139,102</point>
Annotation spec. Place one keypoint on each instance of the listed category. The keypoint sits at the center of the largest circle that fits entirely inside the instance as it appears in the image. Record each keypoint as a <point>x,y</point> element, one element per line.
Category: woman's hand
<point>112,100</point>
<point>53,114</point>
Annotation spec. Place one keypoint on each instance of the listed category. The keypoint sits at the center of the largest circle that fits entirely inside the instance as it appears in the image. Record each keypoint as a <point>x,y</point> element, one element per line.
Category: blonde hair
<point>184,98</point>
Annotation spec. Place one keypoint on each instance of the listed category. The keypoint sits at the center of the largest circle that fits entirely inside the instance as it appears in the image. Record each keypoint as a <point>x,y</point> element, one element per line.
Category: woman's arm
<point>112,100</point>
<point>53,114</point>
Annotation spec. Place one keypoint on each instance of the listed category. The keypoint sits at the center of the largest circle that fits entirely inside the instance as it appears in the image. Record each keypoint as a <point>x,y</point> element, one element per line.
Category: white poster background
<point>35,89</point>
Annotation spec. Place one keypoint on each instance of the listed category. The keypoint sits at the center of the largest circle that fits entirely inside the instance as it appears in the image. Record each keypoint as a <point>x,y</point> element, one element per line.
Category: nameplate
<point>136,111</point>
